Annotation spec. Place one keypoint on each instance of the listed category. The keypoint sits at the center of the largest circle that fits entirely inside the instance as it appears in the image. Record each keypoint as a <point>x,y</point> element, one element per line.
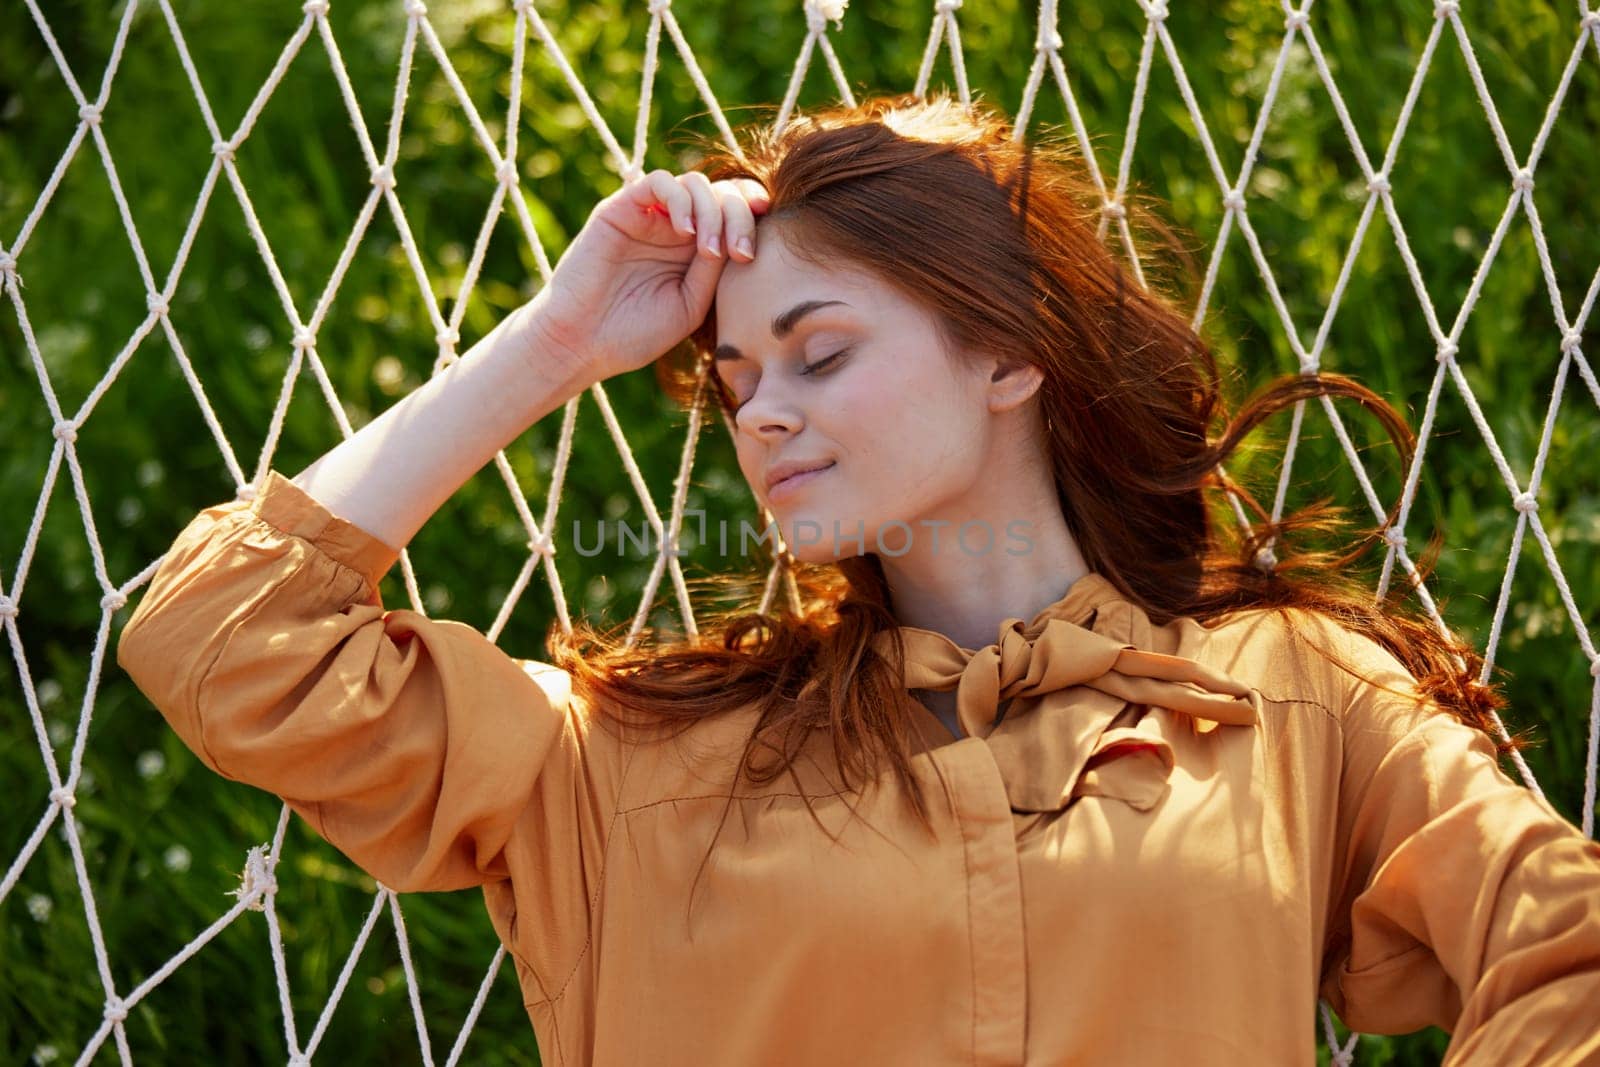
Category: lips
<point>789,467</point>
<point>792,475</point>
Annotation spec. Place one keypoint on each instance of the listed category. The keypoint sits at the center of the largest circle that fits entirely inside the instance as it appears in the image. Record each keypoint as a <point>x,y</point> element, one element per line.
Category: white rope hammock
<point>259,886</point>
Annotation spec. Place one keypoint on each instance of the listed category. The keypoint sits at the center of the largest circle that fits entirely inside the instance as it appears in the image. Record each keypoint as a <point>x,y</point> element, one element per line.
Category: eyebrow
<point>782,326</point>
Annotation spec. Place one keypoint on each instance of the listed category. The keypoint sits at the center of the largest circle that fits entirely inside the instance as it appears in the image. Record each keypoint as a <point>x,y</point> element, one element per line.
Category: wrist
<point>549,345</point>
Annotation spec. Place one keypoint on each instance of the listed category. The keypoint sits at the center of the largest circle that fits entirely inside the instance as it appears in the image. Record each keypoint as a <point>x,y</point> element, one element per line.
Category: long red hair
<point>998,238</point>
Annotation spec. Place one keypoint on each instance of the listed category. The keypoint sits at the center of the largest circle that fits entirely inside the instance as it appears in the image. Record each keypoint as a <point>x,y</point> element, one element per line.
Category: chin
<point>820,545</point>
<point>826,553</point>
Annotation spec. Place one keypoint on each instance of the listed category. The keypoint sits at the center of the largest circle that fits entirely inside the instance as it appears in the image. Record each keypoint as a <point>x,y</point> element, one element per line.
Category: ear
<point>1012,382</point>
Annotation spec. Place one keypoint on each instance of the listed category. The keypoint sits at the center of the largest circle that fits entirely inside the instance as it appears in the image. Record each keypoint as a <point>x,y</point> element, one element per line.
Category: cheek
<point>749,455</point>
<point>908,460</point>
<point>930,425</point>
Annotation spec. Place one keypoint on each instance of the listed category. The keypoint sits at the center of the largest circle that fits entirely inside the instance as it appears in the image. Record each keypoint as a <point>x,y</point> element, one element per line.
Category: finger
<point>699,285</point>
<point>755,194</point>
<point>638,191</point>
<point>674,197</point>
<point>738,221</point>
<point>707,213</point>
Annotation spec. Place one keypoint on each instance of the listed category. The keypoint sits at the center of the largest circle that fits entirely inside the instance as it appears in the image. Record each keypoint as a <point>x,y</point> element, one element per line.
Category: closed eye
<point>819,365</point>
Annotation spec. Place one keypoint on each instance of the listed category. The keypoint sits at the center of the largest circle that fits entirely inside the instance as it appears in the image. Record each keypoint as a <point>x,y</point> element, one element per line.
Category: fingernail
<point>745,248</point>
<point>688,226</point>
<point>714,245</point>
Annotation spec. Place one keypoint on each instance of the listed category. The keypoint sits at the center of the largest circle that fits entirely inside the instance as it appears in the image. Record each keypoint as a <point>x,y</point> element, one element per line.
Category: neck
<point>966,596</point>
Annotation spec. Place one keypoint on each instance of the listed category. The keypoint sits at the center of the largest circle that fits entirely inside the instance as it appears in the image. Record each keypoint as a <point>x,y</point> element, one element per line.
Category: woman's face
<point>829,367</point>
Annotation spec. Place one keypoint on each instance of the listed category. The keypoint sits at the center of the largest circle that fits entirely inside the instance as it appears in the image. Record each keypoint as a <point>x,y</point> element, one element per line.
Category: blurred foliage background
<point>165,839</point>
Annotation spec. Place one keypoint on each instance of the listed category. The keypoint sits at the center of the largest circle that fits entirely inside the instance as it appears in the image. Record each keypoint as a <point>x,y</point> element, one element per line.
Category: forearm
<point>396,471</point>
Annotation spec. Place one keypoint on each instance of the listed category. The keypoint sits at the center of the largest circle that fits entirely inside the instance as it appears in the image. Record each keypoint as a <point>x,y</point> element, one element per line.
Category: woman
<point>1119,790</point>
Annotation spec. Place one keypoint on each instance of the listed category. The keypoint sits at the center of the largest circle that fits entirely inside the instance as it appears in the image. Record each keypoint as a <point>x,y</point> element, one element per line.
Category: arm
<point>427,755</point>
<point>415,746</point>
<point>1461,899</point>
<point>636,280</point>
<point>428,444</point>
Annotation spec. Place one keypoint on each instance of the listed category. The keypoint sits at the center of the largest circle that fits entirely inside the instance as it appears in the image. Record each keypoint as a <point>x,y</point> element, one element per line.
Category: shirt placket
<point>994,903</point>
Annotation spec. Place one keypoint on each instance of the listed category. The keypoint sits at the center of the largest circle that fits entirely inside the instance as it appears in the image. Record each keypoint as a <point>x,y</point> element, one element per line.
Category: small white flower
<point>46,1054</point>
<point>151,763</point>
<point>49,691</point>
<point>40,906</point>
<point>177,858</point>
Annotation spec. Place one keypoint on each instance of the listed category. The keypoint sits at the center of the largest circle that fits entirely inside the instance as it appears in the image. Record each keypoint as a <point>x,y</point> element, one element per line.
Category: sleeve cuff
<point>282,504</point>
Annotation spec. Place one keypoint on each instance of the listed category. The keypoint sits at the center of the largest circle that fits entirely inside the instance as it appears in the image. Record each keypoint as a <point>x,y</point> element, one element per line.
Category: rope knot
<point>156,303</point>
<point>659,7</point>
<point>507,173</point>
<point>1523,181</point>
<point>416,9</point>
<point>1266,559</point>
<point>116,1010</point>
<point>1443,9</point>
<point>821,12</point>
<point>1570,341</point>
<point>1234,201</point>
<point>1395,537</point>
<point>90,113</point>
<point>8,263</point>
<point>383,177</point>
<point>1591,20</point>
<point>224,150</point>
<point>945,7</point>
<point>8,608</point>
<point>523,7</point>
<point>1379,183</point>
<point>1526,503</point>
<point>1447,351</point>
<point>63,796</point>
<point>1296,20</point>
<point>315,8</point>
<point>448,337</point>
<point>303,338</point>
<point>1114,209</point>
<point>1156,10</point>
<point>1052,43</point>
<point>65,430</point>
<point>1594,667</point>
<point>543,545</point>
<point>113,601</point>
<point>246,493</point>
<point>257,883</point>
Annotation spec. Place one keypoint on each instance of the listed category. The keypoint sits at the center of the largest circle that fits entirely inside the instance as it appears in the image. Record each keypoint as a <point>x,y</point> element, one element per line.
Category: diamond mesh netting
<point>1349,268</point>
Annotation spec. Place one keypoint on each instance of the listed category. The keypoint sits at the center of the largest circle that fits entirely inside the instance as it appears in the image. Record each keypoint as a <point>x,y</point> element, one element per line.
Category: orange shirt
<point>1174,840</point>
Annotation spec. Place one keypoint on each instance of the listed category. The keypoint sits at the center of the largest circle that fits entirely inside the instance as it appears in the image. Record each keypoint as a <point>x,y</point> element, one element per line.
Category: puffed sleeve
<point>1460,898</point>
<point>415,746</point>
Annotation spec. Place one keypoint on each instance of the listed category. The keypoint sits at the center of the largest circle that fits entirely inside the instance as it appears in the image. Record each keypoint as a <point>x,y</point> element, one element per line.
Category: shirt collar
<point>1068,672</point>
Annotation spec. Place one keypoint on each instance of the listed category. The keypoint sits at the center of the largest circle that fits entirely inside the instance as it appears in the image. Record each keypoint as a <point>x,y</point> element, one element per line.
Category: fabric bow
<point>1082,679</point>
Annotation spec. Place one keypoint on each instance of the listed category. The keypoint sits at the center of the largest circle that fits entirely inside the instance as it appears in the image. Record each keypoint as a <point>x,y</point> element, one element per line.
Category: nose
<point>767,415</point>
